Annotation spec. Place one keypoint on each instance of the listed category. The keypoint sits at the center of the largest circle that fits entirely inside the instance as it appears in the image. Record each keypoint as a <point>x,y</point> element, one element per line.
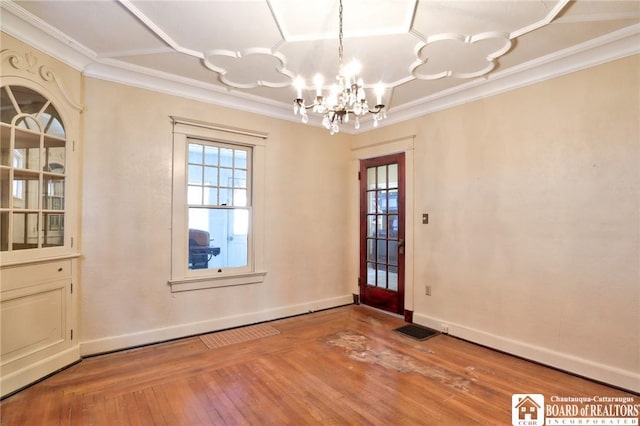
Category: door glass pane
<point>8,110</point>
<point>54,158</point>
<point>393,278</point>
<point>371,225</point>
<point>4,231</point>
<point>393,226</point>
<point>25,231</point>
<point>371,273</point>
<point>53,193</point>
<point>393,175</point>
<point>26,154</point>
<point>392,253</point>
<point>382,177</point>
<point>371,178</point>
<point>54,229</point>
<point>382,251</point>
<point>51,122</point>
<point>4,189</point>
<point>382,276</point>
<point>5,144</point>
<point>393,201</point>
<point>25,190</point>
<point>371,249</point>
<point>382,201</point>
<point>372,206</point>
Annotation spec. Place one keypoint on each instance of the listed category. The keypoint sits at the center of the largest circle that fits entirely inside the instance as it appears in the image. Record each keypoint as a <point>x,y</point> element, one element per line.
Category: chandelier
<point>346,97</point>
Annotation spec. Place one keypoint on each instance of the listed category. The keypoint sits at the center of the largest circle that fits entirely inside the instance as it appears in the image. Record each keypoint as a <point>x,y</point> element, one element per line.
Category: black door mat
<point>417,332</point>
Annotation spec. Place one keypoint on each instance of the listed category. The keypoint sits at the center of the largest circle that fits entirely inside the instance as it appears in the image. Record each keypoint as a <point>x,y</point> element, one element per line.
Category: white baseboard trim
<point>603,373</point>
<point>16,380</point>
<point>113,343</point>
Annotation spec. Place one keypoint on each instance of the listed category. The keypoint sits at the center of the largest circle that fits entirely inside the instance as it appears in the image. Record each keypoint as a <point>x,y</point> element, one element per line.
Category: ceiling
<point>429,55</point>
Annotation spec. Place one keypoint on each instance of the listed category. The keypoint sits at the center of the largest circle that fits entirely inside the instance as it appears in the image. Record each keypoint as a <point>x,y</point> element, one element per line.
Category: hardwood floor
<point>341,366</point>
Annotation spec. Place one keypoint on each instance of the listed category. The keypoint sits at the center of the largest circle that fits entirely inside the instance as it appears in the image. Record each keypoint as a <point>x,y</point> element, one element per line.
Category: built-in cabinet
<point>39,128</point>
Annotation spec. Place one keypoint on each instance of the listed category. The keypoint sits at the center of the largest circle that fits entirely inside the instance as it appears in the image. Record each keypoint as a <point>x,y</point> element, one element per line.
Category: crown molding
<point>40,35</point>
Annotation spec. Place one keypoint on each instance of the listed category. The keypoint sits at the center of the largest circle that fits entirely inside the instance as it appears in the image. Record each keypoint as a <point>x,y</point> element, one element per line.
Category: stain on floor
<point>359,348</point>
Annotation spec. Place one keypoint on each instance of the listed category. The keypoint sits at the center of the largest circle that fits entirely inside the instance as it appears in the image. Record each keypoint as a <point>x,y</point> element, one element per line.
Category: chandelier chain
<point>340,36</point>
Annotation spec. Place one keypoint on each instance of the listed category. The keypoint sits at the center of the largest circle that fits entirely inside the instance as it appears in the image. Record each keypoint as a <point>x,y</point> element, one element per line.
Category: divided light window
<point>219,205</point>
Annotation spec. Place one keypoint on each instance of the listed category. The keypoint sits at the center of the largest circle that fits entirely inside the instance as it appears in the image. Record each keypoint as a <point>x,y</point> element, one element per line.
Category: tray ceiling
<point>246,54</point>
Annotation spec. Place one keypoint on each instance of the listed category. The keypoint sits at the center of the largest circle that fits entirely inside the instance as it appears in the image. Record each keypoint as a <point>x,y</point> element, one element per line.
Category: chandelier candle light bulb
<point>346,97</point>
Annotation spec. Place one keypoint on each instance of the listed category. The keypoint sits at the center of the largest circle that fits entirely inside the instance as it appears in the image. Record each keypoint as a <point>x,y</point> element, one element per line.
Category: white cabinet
<point>39,128</point>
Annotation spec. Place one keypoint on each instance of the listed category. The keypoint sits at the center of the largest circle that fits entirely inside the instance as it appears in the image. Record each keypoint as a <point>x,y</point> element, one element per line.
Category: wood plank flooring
<point>343,366</point>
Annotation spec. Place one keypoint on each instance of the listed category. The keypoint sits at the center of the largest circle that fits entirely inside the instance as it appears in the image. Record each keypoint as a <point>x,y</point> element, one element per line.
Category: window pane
<point>195,175</point>
<point>194,195</point>
<point>240,179</point>
<point>226,157</point>
<point>225,197</point>
<point>195,153</point>
<point>210,196</point>
<point>218,238</point>
<point>211,155</point>
<point>240,197</point>
<point>241,159</point>
<point>211,176</point>
<point>226,177</point>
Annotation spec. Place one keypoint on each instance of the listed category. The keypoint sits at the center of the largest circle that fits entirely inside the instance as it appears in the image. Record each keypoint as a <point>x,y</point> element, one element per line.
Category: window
<point>217,209</point>
<point>32,171</point>
<point>219,200</point>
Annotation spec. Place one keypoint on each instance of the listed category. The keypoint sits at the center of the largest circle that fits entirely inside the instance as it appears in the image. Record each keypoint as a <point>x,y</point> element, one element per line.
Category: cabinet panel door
<point>33,320</point>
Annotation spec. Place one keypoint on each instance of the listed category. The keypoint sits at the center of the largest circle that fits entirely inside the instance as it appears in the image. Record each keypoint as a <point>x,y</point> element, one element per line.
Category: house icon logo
<point>527,409</point>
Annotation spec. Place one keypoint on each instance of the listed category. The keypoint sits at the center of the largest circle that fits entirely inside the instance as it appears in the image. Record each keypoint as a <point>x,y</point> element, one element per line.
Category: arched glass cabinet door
<point>32,171</point>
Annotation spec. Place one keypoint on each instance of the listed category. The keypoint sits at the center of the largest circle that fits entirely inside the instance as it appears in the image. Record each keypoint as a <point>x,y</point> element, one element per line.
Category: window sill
<point>189,284</point>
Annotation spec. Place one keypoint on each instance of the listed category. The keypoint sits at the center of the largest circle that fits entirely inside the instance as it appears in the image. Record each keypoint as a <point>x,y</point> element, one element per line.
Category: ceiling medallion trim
<point>223,73</point>
<point>464,40</point>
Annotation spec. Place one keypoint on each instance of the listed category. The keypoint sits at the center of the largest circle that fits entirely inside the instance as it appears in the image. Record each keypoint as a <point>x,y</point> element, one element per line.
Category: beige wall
<point>533,240</point>
<point>127,217</point>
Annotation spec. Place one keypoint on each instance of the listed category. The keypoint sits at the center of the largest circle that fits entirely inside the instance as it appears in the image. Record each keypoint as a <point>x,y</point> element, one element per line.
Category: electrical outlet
<point>427,290</point>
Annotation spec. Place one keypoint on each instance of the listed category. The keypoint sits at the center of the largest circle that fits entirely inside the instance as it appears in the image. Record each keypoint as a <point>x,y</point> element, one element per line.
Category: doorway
<point>382,229</point>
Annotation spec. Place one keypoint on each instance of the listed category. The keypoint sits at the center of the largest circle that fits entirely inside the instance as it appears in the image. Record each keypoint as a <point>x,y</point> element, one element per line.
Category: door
<point>382,215</point>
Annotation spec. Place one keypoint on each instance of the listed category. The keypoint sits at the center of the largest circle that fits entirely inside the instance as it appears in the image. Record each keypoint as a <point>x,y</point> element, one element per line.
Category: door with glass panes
<point>382,232</point>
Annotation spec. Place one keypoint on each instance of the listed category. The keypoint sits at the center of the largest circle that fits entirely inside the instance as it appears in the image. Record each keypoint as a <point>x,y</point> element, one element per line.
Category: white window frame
<point>183,279</point>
